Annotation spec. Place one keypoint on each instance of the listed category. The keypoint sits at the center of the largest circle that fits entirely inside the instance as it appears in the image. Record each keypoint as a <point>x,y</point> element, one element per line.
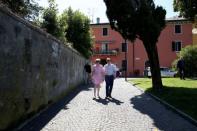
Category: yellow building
<point>194,36</point>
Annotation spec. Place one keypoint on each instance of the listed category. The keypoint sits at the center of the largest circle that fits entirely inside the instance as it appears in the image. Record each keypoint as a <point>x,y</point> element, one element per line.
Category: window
<point>124,65</point>
<point>104,47</point>
<point>177,29</point>
<point>176,46</point>
<point>105,31</point>
<point>124,47</point>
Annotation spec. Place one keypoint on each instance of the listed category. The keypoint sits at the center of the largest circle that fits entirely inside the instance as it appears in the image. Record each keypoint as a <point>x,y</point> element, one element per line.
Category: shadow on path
<point>106,101</point>
<point>45,117</point>
<point>142,104</point>
<point>117,102</point>
<point>163,119</point>
<point>102,101</point>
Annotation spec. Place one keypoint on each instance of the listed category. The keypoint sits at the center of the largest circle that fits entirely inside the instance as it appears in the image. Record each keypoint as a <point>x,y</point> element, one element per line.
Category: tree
<point>51,21</point>
<point>28,9</point>
<point>34,10</point>
<point>63,26</point>
<point>139,19</point>
<point>78,32</point>
<point>187,8</point>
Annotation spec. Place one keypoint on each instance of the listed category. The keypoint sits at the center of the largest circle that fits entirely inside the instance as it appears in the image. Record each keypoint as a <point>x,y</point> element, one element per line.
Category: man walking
<point>88,70</point>
<point>110,74</point>
<point>181,67</point>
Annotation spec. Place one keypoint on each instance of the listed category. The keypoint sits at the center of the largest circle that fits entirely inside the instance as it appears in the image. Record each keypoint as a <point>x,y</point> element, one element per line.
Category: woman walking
<point>97,77</point>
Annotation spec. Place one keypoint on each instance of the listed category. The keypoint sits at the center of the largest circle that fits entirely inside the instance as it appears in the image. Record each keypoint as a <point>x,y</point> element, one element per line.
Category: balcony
<point>106,52</point>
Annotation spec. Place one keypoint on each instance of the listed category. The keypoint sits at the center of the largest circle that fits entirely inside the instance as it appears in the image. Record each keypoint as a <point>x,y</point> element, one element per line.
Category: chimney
<point>97,20</point>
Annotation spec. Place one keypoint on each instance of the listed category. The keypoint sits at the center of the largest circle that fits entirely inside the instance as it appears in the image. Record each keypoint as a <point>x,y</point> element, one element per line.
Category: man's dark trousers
<point>109,79</point>
<point>182,73</point>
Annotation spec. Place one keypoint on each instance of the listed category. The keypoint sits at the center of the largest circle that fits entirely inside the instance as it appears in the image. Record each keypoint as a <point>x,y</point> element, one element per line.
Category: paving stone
<point>129,110</point>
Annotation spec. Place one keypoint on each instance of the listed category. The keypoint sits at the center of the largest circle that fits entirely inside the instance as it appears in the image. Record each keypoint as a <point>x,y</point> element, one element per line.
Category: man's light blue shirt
<point>110,69</point>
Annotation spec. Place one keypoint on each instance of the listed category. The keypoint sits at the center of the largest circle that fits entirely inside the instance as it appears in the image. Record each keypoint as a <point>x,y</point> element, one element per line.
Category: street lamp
<point>126,59</point>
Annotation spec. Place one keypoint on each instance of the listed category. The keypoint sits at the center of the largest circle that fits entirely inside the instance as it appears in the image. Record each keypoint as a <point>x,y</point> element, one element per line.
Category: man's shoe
<point>110,98</point>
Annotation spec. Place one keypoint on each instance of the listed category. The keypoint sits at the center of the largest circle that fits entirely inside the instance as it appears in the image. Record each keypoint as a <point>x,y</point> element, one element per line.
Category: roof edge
<point>167,20</point>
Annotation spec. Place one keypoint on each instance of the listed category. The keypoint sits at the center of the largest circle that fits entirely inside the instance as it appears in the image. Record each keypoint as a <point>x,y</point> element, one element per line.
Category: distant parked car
<point>165,72</point>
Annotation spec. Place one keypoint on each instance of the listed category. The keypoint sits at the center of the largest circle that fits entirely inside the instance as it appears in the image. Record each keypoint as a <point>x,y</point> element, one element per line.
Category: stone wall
<point>35,69</point>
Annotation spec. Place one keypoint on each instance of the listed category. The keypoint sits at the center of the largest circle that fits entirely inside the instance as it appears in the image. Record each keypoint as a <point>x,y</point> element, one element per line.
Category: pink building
<point>109,43</point>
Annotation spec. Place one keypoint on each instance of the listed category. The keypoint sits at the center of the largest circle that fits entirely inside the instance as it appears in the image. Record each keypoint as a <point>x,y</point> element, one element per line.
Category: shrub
<point>189,54</point>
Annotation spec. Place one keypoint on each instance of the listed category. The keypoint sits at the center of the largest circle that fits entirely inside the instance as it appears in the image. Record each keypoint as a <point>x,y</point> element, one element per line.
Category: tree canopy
<point>139,19</point>
<point>50,20</point>
<point>78,31</point>
<point>71,26</point>
<point>186,8</point>
<point>28,9</point>
<point>136,18</point>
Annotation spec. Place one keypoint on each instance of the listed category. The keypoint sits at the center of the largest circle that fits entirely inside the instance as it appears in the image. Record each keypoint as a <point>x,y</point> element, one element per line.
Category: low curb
<point>174,109</point>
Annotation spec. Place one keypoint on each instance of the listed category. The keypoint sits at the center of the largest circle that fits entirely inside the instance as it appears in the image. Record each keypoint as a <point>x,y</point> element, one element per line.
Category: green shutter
<point>179,46</point>
<point>173,46</point>
<point>124,47</point>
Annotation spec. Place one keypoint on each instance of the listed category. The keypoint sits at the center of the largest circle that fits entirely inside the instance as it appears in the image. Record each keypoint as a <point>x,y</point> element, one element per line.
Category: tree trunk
<point>154,65</point>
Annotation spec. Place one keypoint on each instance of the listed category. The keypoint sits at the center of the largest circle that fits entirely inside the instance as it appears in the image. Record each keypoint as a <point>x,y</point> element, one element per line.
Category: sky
<point>96,8</point>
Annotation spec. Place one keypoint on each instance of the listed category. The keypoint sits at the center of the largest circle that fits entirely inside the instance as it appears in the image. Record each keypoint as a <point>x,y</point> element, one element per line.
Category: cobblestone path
<point>129,110</point>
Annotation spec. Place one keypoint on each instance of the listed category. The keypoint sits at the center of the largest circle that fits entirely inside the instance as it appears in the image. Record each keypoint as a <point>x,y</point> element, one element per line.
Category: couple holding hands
<point>100,73</point>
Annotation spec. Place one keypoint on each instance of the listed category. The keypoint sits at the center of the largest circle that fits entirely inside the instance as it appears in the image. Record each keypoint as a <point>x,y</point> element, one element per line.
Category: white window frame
<point>176,46</point>
<point>105,46</point>
<point>107,31</point>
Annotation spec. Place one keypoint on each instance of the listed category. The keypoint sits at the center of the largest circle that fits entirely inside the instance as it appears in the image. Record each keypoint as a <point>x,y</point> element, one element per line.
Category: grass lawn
<point>182,94</point>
